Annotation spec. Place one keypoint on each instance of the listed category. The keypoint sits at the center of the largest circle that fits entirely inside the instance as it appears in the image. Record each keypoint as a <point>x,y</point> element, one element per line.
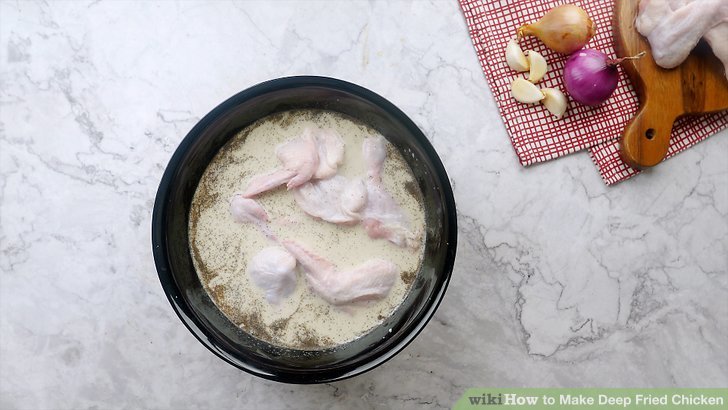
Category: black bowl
<point>184,289</point>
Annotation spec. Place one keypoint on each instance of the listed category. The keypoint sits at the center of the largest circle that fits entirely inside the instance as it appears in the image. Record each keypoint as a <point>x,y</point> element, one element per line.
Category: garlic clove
<point>554,101</point>
<point>537,65</point>
<point>514,56</point>
<point>525,92</point>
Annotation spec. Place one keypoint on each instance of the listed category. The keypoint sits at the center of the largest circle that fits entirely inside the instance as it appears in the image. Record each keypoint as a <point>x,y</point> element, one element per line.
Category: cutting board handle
<point>646,138</point>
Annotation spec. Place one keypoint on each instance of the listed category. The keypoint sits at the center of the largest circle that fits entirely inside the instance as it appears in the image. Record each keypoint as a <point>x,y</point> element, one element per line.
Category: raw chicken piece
<point>273,269</point>
<point>651,13</point>
<point>265,182</point>
<point>674,27</point>
<point>330,148</point>
<point>344,201</point>
<point>371,280</point>
<point>315,154</point>
<point>716,37</point>
<point>246,210</point>
<point>382,216</point>
<point>353,198</point>
<point>337,199</point>
<point>374,150</point>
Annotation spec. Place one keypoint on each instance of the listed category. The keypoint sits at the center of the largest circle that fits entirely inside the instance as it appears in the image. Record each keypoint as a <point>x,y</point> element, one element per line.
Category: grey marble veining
<point>559,280</point>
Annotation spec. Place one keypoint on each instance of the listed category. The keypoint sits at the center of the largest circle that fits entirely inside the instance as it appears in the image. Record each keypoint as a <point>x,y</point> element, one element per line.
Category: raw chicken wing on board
<point>674,27</point>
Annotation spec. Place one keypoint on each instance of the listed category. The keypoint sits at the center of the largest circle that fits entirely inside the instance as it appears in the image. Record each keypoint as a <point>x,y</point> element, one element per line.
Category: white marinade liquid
<point>222,248</point>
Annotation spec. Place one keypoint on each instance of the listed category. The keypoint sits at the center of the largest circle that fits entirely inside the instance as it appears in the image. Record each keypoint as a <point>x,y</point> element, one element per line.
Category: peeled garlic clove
<point>538,66</point>
<point>525,92</point>
<point>554,101</point>
<point>514,56</point>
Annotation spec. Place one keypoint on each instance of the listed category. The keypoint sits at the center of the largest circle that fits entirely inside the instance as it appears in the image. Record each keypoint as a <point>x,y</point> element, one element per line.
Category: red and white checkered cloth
<point>535,134</point>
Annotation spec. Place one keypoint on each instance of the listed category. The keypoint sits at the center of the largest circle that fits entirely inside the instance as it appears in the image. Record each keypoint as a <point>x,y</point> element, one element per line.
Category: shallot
<point>564,29</point>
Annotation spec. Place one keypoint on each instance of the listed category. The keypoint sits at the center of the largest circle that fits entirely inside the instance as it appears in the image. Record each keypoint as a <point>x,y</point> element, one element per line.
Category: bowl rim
<point>158,231</point>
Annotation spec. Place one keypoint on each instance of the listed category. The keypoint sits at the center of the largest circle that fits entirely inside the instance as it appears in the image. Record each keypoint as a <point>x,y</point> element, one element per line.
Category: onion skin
<point>564,29</point>
<point>590,77</point>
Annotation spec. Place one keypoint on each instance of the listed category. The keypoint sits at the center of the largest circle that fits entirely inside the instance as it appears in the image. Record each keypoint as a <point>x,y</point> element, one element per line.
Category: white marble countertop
<point>559,280</point>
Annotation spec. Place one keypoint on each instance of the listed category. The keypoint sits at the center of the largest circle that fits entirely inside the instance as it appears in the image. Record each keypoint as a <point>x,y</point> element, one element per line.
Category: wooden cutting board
<point>696,86</point>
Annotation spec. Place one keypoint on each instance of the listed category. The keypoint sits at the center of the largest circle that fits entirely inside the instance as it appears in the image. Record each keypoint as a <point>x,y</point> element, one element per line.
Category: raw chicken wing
<point>315,154</point>
<point>245,210</point>
<point>382,216</point>
<point>273,269</point>
<point>330,149</point>
<point>371,280</point>
<point>337,199</point>
<point>674,27</point>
